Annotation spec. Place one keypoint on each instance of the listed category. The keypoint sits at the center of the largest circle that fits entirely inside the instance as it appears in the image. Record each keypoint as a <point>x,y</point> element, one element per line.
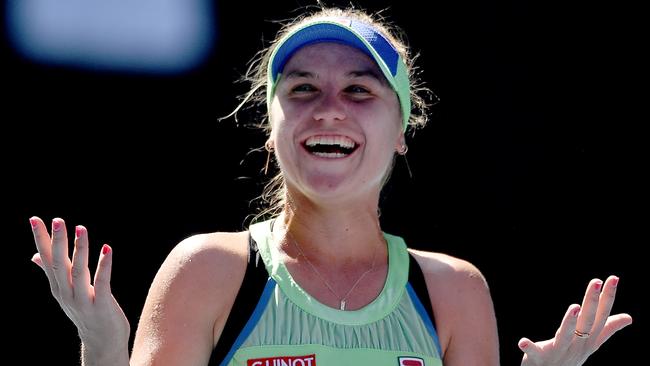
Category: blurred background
<point>530,167</point>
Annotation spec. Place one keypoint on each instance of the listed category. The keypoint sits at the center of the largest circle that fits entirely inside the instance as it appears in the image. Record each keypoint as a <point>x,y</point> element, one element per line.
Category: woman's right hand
<point>103,328</point>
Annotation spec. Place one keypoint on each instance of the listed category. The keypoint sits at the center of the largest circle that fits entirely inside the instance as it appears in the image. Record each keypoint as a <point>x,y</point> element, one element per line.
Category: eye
<point>357,89</point>
<point>303,88</point>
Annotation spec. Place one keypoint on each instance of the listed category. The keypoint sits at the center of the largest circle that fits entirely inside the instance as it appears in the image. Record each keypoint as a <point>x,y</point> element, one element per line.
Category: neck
<point>337,236</point>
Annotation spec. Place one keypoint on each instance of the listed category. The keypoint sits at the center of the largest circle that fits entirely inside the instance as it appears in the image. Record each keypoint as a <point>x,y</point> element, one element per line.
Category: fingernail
<point>614,281</point>
<point>106,249</point>
<point>56,224</point>
<point>78,230</point>
<point>598,285</point>
<point>575,312</point>
<point>33,222</point>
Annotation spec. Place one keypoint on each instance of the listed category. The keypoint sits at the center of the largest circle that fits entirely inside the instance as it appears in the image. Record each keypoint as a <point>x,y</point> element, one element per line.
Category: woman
<point>331,287</point>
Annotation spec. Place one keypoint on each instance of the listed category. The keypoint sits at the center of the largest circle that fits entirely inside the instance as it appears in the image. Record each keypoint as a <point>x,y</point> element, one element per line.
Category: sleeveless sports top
<point>288,327</point>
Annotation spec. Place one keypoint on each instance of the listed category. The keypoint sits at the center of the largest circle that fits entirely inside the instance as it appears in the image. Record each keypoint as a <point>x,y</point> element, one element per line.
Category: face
<point>336,122</point>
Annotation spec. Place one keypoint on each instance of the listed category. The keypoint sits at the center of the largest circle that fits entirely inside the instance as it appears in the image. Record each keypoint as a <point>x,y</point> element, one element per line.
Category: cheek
<point>285,114</point>
<point>277,120</point>
<point>382,111</point>
<point>276,113</point>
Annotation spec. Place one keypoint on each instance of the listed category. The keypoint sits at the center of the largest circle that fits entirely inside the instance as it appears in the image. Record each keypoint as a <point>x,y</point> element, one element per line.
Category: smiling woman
<point>331,288</point>
<point>335,123</point>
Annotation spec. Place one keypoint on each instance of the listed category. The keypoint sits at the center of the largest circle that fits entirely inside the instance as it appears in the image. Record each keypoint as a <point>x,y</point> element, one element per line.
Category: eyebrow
<point>352,74</point>
<point>368,73</point>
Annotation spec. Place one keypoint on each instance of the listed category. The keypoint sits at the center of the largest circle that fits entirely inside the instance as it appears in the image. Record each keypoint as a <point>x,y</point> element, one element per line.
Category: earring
<point>268,146</point>
<point>402,151</point>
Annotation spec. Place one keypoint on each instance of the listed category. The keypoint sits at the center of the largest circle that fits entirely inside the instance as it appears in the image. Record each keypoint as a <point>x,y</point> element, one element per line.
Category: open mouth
<point>332,147</point>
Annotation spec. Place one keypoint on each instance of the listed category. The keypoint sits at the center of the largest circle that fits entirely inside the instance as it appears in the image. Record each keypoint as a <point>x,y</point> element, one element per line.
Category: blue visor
<point>355,34</point>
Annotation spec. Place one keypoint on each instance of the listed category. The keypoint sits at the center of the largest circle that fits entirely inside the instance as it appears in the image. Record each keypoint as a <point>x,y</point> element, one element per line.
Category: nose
<point>329,108</point>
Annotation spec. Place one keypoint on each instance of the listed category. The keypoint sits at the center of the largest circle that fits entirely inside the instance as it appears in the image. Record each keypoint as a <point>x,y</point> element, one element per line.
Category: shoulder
<point>191,297</point>
<point>450,270</point>
<point>463,308</point>
<point>206,265</point>
<point>453,283</point>
<point>200,260</point>
<point>213,252</point>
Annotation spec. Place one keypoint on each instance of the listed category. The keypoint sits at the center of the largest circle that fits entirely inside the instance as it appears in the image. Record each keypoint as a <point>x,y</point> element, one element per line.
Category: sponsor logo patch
<point>308,360</point>
<point>410,361</point>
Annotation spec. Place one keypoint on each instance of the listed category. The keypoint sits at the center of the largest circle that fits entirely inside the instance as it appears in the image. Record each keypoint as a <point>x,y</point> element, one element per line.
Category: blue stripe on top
<point>252,322</point>
<point>425,317</point>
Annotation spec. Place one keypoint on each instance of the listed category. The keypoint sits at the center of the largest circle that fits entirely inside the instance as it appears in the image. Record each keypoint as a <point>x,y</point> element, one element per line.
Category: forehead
<point>330,55</point>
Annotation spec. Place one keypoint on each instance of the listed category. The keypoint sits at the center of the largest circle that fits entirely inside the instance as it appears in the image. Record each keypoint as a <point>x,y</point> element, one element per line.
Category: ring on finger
<point>580,334</point>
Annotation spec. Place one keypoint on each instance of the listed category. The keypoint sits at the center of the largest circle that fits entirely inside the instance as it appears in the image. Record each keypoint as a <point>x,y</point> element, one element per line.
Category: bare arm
<point>184,313</point>
<point>463,308</point>
<point>189,300</point>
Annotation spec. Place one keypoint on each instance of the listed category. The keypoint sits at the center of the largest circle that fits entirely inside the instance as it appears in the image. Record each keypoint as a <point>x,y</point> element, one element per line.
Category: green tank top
<point>290,328</point>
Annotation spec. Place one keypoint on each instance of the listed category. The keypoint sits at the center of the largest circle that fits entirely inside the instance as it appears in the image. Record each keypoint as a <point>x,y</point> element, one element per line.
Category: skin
<point>335,89</point>
<point>567,348</point>
<point>326,90</point>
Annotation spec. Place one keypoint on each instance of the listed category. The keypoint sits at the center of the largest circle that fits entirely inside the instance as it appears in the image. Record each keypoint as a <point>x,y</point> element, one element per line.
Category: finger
<point>44,247</point>
<point>613,324</point>
<point>36,258</point>
<point>532,351</point>
<point>79,273</point>
<point>565,334</point>
<point>605,303</point>
<point>42,239</point>
<point>103,275</point>
<point>60,261</point>
<point>589,307</point>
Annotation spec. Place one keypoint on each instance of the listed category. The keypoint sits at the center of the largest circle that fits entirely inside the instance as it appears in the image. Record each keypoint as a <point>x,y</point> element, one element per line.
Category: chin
<point>333,189</point>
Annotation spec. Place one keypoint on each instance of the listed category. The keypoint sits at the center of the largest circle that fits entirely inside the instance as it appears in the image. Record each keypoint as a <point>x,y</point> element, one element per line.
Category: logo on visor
<point>410,361</point>
<point>308,360</point>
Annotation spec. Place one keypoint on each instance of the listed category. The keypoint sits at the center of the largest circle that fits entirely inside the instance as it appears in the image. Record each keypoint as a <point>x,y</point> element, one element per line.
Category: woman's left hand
<point>583,330</point>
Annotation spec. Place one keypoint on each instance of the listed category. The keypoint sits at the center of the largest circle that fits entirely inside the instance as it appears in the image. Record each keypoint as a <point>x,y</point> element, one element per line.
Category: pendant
<point>342,304</point>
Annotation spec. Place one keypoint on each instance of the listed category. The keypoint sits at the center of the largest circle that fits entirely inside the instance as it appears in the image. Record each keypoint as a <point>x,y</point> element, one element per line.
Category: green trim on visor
<point>355,34</point>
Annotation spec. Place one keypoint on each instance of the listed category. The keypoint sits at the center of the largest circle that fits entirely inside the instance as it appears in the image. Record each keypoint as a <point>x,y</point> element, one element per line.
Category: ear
<point>401,142</point>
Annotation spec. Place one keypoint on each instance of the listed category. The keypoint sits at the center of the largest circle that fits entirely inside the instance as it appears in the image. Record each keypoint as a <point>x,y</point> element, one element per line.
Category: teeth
<point>341,141</point>
<point>330,155</point>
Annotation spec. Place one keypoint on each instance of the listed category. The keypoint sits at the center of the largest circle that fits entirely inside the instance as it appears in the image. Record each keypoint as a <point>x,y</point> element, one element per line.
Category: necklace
<point>342,300</point>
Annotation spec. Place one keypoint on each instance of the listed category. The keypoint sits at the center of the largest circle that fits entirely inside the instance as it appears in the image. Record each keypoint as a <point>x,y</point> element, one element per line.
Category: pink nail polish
<point>614,281</point>
<point>78,231</point>
<point>33,222</point>
<point>575,312</point>
<point>56,225</point>
<point>598,285</point>
<point>106,249</point>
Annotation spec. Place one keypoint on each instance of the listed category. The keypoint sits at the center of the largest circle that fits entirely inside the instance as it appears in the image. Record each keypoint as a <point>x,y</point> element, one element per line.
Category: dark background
<point>530,167</point>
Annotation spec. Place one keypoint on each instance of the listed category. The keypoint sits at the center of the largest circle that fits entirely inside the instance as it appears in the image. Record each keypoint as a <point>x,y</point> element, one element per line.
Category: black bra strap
<point>416,279</point>
<point>248,295</point>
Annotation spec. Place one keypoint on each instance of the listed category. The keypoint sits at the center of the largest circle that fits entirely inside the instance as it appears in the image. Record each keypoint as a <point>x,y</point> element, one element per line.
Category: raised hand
<point>103,327</point>
<point>583,329</point>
